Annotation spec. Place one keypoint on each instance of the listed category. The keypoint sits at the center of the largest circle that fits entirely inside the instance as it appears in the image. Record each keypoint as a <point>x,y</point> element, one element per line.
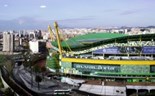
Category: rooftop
<point>88,39</point>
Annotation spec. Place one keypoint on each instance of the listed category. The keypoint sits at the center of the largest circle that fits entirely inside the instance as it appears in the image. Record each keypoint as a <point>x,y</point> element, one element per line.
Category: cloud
<point>43,6</point>
<point>75,22</point>
<point>128,12</point>
<point>110,10</point>
<point>5,5</point>
<point>77,19</point>
<point>20,22</point>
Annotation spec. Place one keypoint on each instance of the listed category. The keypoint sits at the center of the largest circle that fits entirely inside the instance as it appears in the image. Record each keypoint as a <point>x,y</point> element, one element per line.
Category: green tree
<point>9,92</point>
<point>38,79</point>
<point>43,70</point>
<point>36,69</point>
<point>7,61</point>
<point>3,59</point>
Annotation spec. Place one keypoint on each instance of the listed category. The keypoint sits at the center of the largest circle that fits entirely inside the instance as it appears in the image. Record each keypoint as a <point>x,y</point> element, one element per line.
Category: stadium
<point>109,63</point>
<point>129,59</point>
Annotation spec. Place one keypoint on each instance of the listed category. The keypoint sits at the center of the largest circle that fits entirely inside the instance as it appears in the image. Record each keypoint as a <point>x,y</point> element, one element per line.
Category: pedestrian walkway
<point>104,90</point>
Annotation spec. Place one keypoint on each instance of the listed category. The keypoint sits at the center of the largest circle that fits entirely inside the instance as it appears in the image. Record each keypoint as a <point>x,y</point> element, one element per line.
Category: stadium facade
<point>110,55</point>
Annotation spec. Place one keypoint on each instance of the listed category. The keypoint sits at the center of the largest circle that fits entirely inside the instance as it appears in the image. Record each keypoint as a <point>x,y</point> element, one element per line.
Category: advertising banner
<point>111,50</point>
<point>90,67</point>
<point>148,50</point>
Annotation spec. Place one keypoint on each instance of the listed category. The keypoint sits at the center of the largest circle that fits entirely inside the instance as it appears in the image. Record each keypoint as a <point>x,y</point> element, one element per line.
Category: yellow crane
<point>53,54</point>
<point>58,38</point>
<point>60,48</point>
<point>51,32</point>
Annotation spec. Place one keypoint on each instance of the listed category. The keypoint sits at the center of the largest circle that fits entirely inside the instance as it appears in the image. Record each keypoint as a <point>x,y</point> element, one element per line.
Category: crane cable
<point>51,32</point>
<point>65,40</point>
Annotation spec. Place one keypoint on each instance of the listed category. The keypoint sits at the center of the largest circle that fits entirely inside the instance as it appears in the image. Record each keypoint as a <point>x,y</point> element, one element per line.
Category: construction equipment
<point>58,38</point>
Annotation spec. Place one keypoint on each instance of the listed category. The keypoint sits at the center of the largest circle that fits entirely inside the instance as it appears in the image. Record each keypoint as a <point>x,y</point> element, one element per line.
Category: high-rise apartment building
<point>8,41</point>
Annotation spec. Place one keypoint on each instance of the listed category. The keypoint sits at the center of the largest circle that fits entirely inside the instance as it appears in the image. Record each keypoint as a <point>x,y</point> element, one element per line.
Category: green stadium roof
<point>88,39</point>
<point>96,39</point>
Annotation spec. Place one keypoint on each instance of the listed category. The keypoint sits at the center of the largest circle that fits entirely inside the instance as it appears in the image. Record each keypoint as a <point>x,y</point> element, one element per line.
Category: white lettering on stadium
<point>95,67</point>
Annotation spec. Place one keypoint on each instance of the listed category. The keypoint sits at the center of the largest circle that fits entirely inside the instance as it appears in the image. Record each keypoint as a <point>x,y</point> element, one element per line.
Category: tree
<point>27,58</point>
<point>7,61</point>
<point>36,69</point>
<point>9,92</point>
<point>43,70</point>
<point>38,79</point>
<point>3,59</point>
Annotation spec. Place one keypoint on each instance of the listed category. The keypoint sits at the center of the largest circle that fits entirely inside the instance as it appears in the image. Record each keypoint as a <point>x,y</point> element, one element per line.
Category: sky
<point>38,14</point>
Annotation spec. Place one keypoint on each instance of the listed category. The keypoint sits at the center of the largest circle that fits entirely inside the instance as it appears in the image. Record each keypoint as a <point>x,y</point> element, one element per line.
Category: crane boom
<point>51,32</point>
<point>58,38</point>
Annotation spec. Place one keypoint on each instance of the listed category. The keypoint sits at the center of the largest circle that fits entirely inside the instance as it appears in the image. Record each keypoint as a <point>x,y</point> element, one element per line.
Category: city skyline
<point>28,14</point>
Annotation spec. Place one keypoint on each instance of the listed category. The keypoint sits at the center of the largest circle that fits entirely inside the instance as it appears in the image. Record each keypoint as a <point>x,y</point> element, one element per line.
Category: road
<point>47,86</point>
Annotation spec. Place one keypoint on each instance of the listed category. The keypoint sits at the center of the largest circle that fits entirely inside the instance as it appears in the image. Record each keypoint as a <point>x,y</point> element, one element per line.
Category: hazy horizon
<point>38,14</point>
